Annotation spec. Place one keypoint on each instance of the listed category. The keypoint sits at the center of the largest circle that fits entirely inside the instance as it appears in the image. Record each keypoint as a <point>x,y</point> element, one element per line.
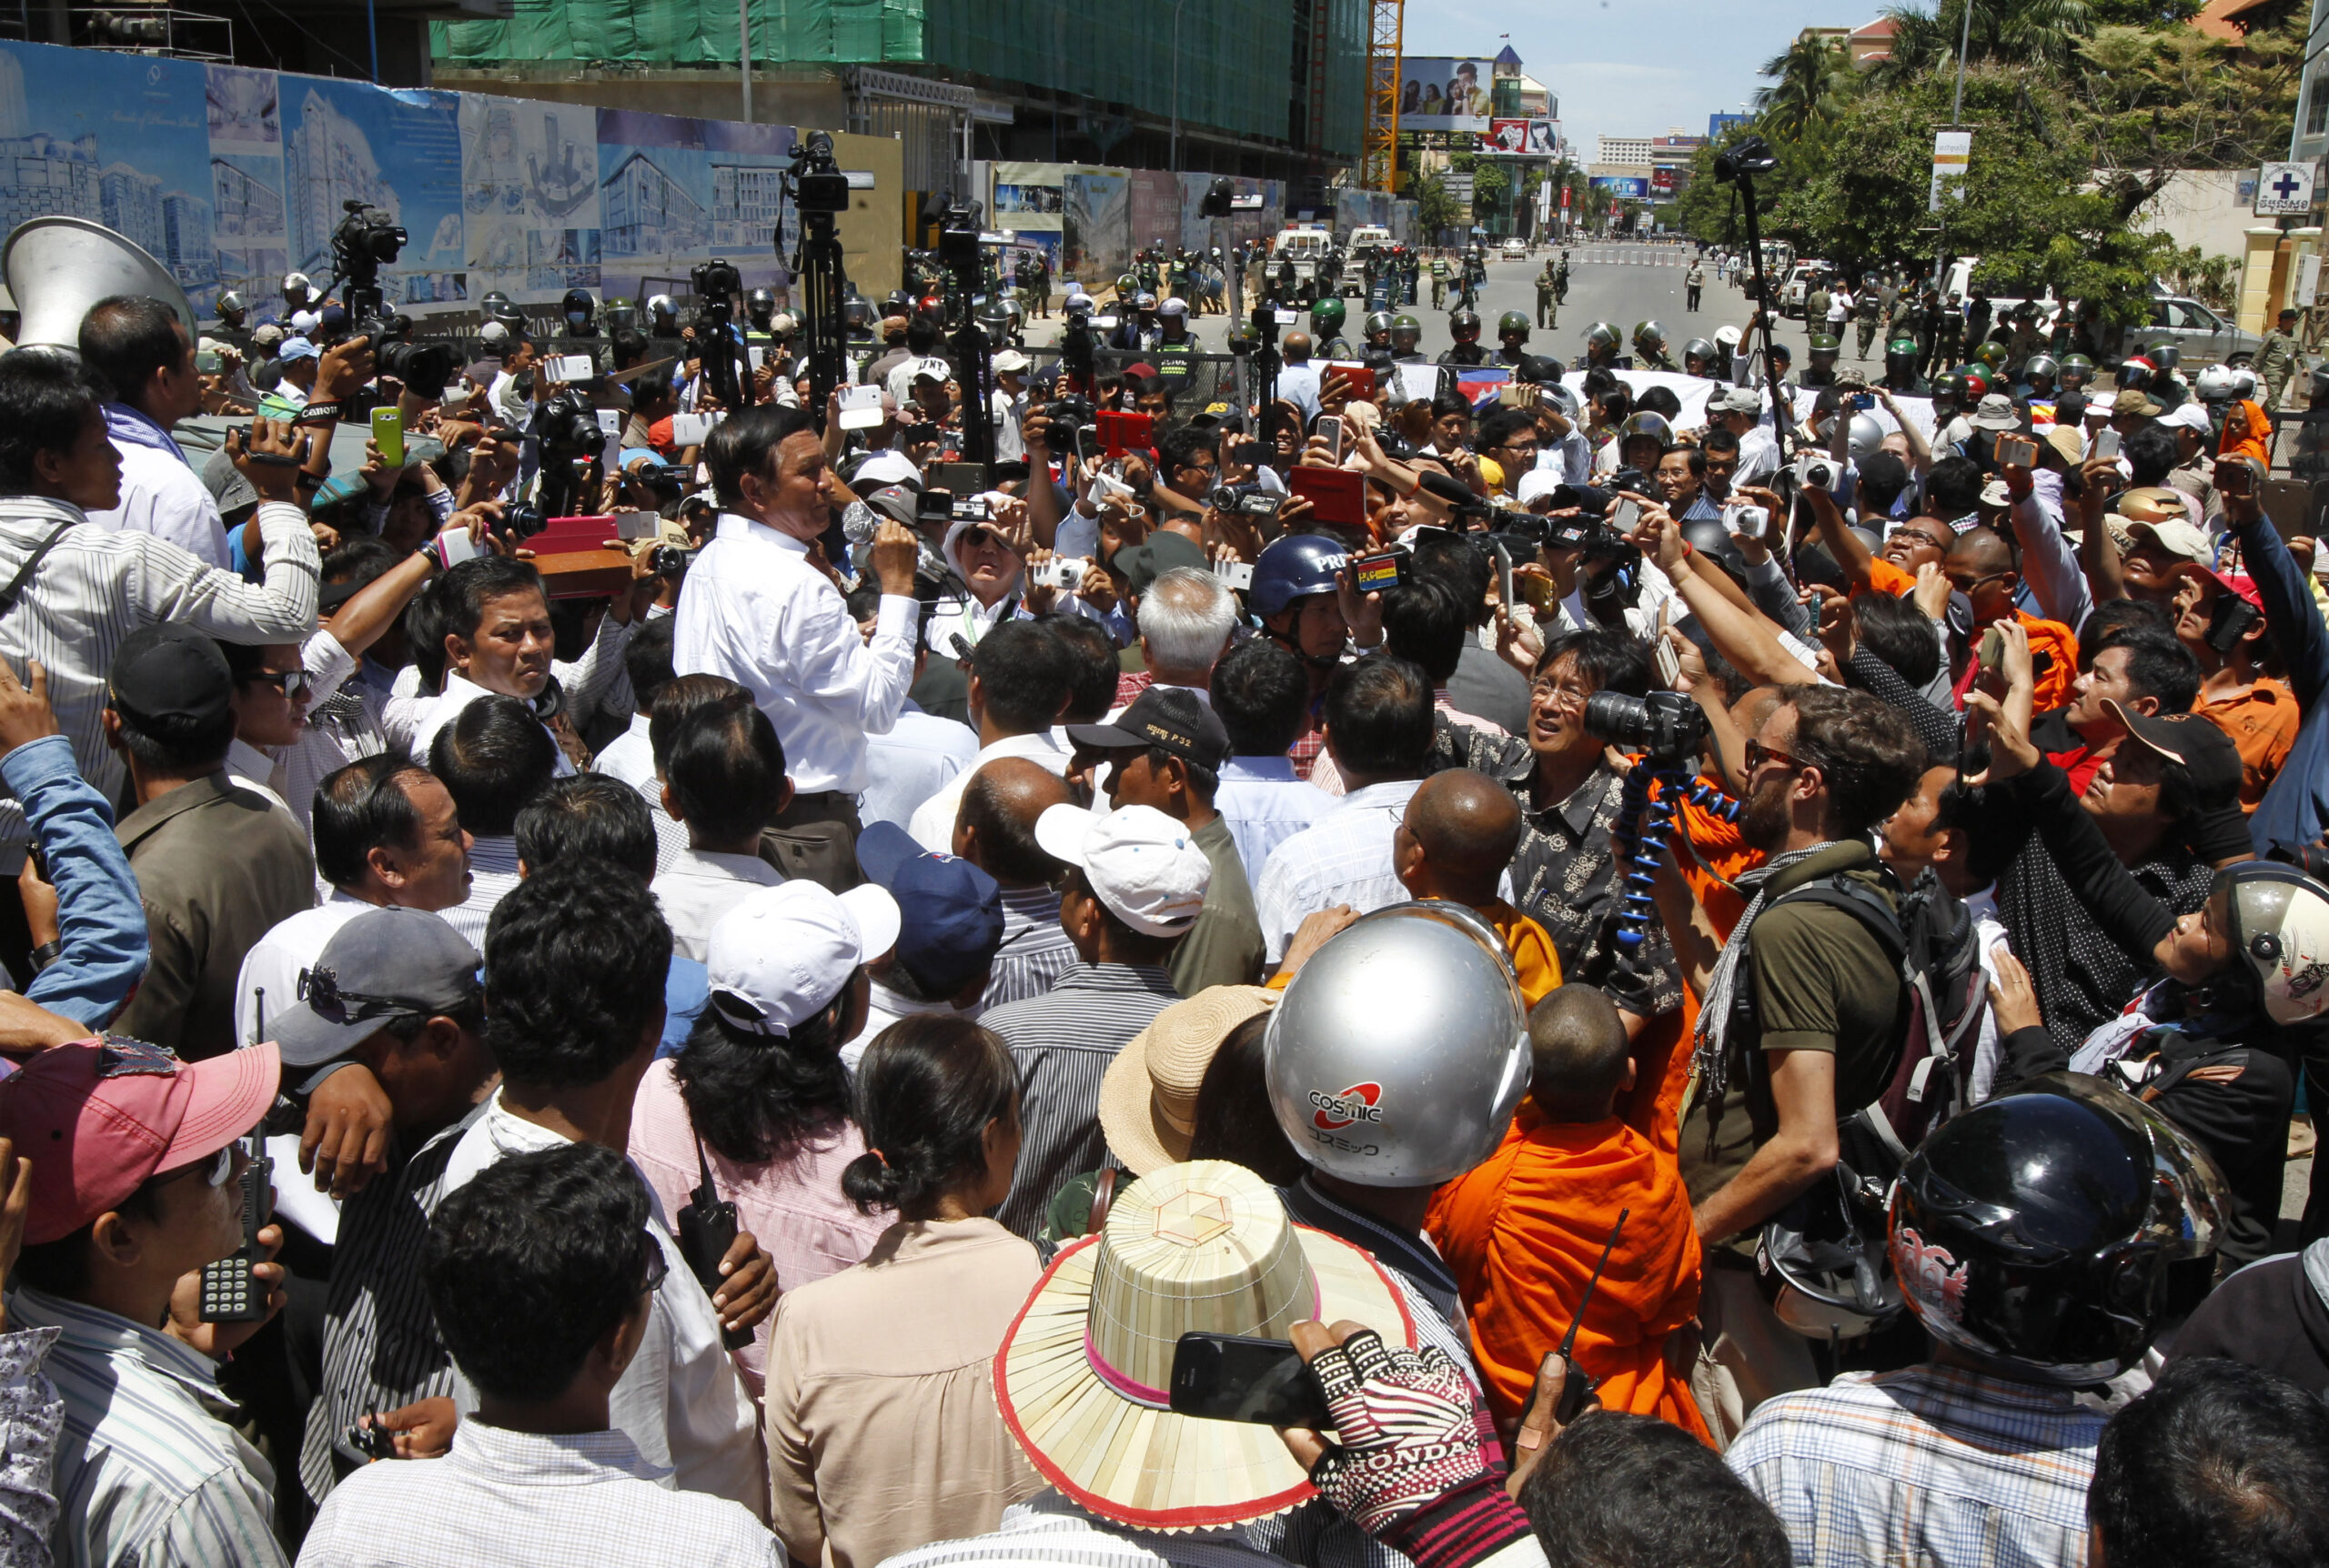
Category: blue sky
<point>1631,67</point>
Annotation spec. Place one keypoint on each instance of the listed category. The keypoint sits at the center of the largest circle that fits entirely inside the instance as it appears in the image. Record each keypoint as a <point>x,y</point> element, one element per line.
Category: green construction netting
<point>1236,63</point>
<point>686,33</point>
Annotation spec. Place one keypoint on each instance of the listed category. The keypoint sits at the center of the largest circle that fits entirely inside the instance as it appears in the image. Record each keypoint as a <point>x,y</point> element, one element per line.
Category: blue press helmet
<point>1293,567</point>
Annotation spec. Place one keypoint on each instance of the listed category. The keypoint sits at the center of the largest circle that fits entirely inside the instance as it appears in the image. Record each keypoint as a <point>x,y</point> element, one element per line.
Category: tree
<point>1807,81</point>
<point>1435,210</point>
<point>2003,32</point>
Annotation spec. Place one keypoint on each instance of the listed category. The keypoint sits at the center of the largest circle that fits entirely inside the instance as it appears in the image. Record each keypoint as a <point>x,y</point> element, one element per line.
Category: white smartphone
<point>1236,574</point>
<point>1624,516</point>
<point>454,546</point>
<point>689,429</point>
<point>610,420</point>
<point>638,525</point>
<point>1330,431</point>
<point>757,354</point>
<point>574,367</point>
<point>861,408</point>
<point>2106,442</point>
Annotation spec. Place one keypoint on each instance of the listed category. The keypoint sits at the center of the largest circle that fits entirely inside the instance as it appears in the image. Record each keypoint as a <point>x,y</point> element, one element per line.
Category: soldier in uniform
<point>1512,334</point>
<point>1406,340</point>
<point>1694,283</point>
<point>1649,347</point>
<point>1465,327</point>
<point>2277,359</point>
<point>1547,305</point>
<point>1439,275</point>
<point>1560,282</point>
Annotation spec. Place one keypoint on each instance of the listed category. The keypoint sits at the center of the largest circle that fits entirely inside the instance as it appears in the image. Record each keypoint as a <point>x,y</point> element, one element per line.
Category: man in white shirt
<point>141,348</point>
<point>761,609</point>
<point>1021,678</point>
<point>386,835</point>
<point>1740,410</point>
<point>724,778</point>
<point>510,405</point>
<point>494,760</point>
<point>922,754</point>
<point>1261,695</point>
<point>541,1473</point>
<point>1010,405</point>
<point>1297,378</point>
<point>1379,718</point>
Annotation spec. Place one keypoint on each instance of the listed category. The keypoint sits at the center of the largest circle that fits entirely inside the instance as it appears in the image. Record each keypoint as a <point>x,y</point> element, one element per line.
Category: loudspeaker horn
<point>58,267</point>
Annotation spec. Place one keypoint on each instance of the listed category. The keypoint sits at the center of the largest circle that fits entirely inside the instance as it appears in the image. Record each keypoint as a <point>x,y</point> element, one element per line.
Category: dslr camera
<point>1666,725</point>
<point>423,367</point>
<point>567,425</point>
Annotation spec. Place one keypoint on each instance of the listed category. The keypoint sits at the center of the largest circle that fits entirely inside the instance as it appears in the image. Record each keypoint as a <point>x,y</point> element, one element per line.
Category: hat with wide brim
<point>1148,1098</point>
<point>1081,1378</point>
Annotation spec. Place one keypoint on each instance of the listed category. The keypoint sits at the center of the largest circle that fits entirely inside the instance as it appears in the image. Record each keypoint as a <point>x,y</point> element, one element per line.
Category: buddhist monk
<point>1522,1231</point>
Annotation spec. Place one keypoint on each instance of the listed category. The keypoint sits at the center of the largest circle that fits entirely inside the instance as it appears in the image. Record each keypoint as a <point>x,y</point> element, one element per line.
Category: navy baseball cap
<point>950,911</point>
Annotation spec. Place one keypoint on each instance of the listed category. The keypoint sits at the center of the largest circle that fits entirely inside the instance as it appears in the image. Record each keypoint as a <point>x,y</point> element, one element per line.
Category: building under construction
<point>1272,92</point>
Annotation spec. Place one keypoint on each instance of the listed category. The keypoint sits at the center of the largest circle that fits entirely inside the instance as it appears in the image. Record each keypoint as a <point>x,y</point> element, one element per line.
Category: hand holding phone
<point>2235,476</point>
<point>1233,1377</point>
<point>2106,442</point>
<point>2017,451</point>
<point>1330,431</point>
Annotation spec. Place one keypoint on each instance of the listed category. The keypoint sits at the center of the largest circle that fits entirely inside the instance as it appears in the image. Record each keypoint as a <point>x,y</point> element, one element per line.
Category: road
<point>1620,282</point>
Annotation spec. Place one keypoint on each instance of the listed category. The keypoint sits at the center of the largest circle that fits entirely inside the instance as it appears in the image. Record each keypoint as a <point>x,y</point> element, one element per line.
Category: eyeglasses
<point>1757,754</point>
<point>658,1268</point>
<point>293,682</point>
<point>1550,691</point>
<point>1966,586</point>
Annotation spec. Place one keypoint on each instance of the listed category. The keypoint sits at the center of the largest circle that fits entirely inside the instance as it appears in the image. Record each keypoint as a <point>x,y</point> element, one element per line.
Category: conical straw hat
<point>1082,1377</point>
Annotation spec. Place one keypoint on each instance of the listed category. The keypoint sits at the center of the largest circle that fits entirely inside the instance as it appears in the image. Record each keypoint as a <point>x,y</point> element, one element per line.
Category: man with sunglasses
<point>134,1190</point>
<point>270,704</point>
<point>217,867</point>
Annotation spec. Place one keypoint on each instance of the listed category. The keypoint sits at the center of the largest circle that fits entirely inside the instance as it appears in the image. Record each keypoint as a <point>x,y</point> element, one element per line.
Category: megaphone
<point>58,267</point>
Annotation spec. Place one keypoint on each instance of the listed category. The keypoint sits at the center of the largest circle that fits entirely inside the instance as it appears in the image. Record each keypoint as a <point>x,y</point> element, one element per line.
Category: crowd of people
<point>1735,987</point>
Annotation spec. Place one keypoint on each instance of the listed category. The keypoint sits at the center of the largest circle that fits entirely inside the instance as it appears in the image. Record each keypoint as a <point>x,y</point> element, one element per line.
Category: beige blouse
<point>883,1431</point>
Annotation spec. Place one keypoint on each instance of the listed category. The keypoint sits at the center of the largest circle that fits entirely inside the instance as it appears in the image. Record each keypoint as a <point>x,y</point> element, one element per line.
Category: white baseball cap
<point>781,956</point>
<point>1143,865</point>
<point>1011,361</point>
<point>888,466</point>
<point>305,321</point>
<point>1537,482</point>
<point>2188,415</point>
<point>937,370</point>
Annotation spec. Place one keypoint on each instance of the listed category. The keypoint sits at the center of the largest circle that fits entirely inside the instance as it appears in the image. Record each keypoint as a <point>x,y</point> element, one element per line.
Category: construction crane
<point>1379,166</point>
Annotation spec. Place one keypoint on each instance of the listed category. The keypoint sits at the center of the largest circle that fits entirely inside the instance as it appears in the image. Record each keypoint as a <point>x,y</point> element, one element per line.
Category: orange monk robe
<point>1529,945</point>
<point>1521,1233</point>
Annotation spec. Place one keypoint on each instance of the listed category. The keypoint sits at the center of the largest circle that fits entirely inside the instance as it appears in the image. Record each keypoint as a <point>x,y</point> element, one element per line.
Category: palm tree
<point>2003,32</point>
<point>1806,82</point>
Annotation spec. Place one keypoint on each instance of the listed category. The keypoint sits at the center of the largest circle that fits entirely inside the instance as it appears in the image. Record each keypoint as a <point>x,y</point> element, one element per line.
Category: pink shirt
<point>793,1205</point>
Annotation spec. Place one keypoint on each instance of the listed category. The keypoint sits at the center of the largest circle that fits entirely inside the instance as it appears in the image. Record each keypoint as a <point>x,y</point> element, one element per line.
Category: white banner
<point>1950,152</point>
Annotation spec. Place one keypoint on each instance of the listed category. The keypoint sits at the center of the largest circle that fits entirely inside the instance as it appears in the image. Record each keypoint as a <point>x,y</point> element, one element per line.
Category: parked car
<point>1516,250</point>
<point>1798,285</point>
<point>2204,337</point>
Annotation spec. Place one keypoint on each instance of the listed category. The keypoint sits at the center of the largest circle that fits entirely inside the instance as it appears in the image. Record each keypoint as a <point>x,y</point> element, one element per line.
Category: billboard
<point>232,177</point>
<point>1444,95</point>
<point>1624,186</point>
<point>1523,138</point>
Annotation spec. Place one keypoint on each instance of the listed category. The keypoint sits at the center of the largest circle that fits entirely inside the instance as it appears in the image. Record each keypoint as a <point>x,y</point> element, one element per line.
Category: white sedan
<point>1516,250</point>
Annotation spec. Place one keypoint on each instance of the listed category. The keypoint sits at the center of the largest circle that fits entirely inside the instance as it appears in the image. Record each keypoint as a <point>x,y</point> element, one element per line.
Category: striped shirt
<point>493,871</point>
<point>506,1499</point>
<point>1931,1465</point>
<point>96,587</point>
<point>147,1473</point>
<point>1344,857</point>
<point>1064,1042</point>
<point>1036,950</point>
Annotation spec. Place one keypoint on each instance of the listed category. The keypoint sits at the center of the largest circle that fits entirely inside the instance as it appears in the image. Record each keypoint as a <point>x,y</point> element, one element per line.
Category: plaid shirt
<point>1934,1464</point>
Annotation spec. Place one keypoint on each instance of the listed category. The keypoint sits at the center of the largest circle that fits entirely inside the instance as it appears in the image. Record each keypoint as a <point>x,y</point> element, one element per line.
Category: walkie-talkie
<point>707,1229</point>
<point>229,1292</point>
<point>1576,1388</point>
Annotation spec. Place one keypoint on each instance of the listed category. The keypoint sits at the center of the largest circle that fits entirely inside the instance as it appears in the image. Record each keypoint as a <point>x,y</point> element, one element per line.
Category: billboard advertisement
<point>1523,138</point>
<point>1444,95</point>
<point>1623,186</point>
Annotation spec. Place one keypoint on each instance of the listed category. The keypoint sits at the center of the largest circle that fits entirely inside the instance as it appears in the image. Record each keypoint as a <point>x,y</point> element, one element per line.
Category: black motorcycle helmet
<point>1466,325</point>
<point>2045,1231</point>
<point>580,313</point>
<point>760,306</point>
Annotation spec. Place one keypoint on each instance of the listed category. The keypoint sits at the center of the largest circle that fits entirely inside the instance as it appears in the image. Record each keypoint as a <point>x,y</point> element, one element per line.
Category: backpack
<point>1826,1250</point>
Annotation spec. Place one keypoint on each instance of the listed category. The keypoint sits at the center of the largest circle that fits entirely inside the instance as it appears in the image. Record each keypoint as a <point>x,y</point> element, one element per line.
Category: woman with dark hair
<point>1233,1120</point>
<point>883,1431</point>
<point>756,1104</point>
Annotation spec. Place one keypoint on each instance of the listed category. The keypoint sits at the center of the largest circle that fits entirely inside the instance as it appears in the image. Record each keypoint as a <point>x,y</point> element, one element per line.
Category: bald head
<point>994,830</point>
<point>1464,827</point>
<point>1579,1052</point>
<point>1750,711</point>
<point>1981,550</point>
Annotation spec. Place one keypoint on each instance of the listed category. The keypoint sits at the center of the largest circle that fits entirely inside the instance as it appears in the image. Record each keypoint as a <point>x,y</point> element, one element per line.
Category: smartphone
<point>1519,394</point>
<point>230,1294</point>
<point>861,408</point>
<point>387,434</point>
<point>1864,401</point>
<point>454,546</point>
<point>1360,378</point>
<point>1624,516</point>
<point>2233,477</point>
<point>2106,442</point>
<point>2020,451</point>
<point>1330,431</point>
<point>923,433</point>
<point>707,1229</point>
<point>1248,454</point>
<point>1992,650</point>
<point>1503,574</point>
<point>1237,575</point>
<point>209,362</point>
<point>1378,570</point>
<point>962,478</point>
<point>575,367</point>
<point>689,429</point>
<point>1229,1377</point>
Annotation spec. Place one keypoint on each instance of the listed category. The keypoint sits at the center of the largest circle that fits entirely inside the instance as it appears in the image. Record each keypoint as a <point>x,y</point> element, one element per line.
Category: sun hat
<point>1082,1374</point>
<point>1995,412</point>
<point>99,1117</point>
<point>1148,1101</point>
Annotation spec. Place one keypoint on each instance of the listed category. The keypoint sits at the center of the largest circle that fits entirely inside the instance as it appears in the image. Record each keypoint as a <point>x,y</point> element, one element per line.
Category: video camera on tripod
<point>716,283</point>
<point>819,189</point>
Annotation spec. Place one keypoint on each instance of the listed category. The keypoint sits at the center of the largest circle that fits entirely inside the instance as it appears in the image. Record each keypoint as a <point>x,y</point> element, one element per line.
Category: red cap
<point>2242,586</point>
<point>99,1117</point>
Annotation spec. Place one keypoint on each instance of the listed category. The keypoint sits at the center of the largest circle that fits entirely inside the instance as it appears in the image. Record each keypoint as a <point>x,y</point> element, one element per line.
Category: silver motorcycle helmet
<point>1401,1049</point>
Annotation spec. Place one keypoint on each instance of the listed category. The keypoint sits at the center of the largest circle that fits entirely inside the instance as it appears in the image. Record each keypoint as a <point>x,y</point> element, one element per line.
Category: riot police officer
<point>1464,324</point>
